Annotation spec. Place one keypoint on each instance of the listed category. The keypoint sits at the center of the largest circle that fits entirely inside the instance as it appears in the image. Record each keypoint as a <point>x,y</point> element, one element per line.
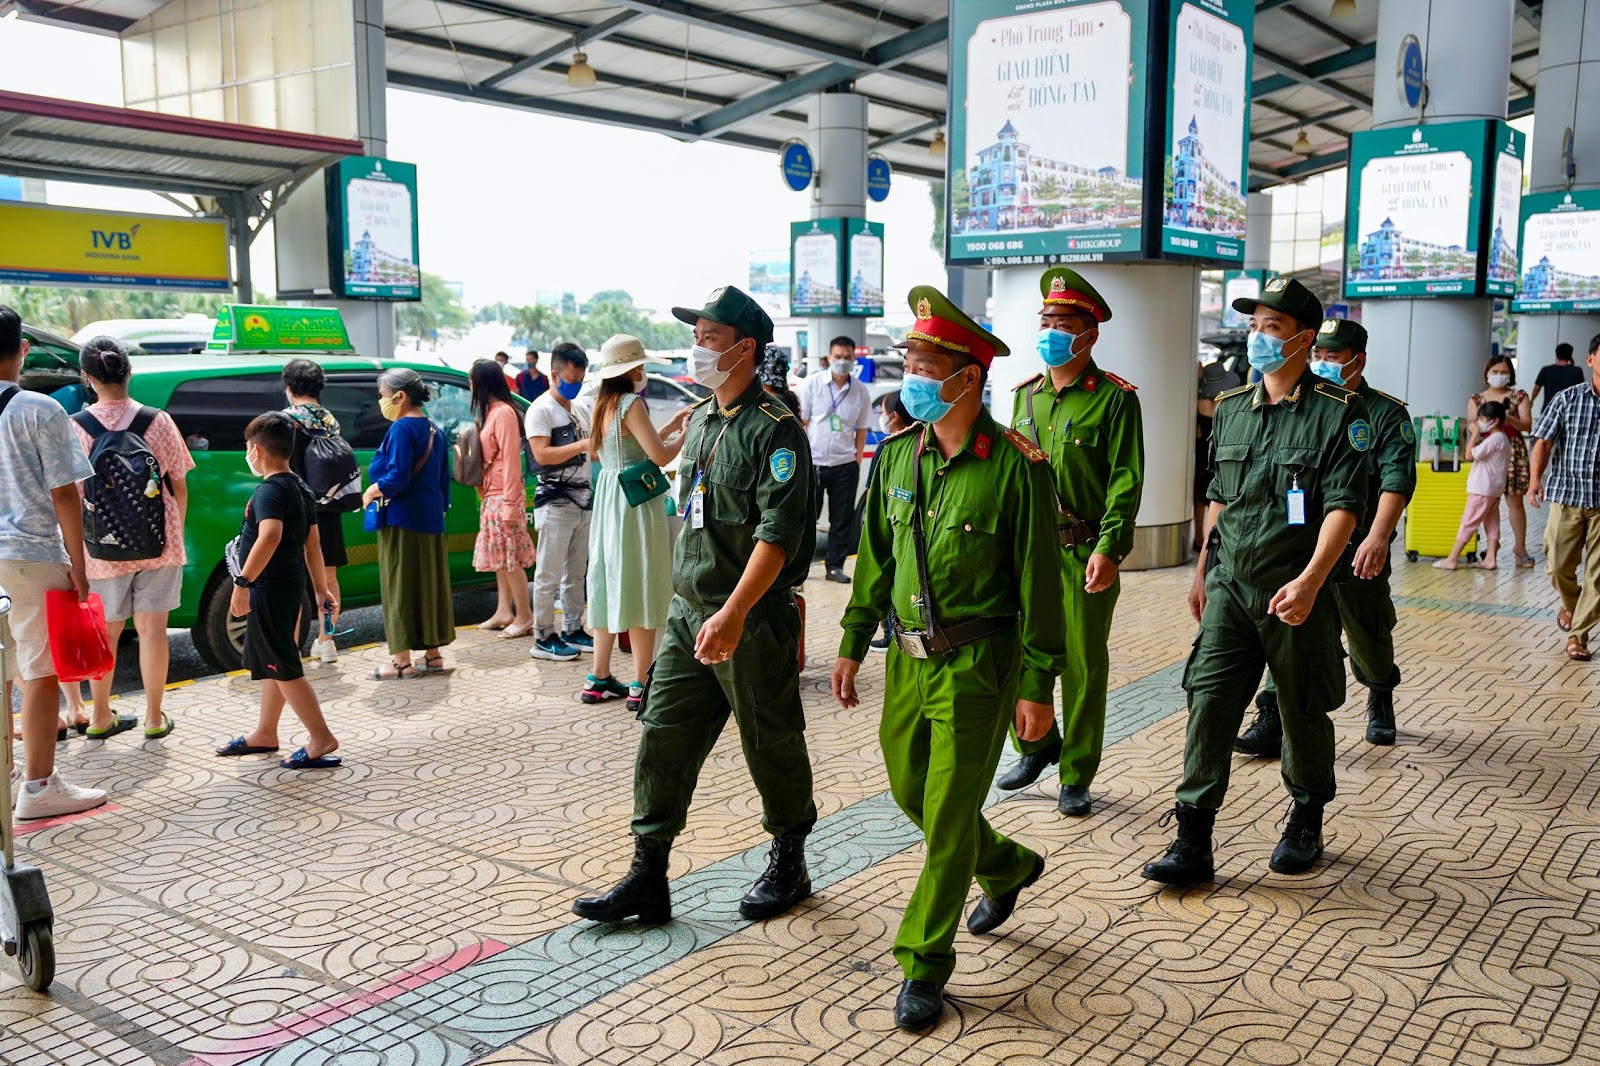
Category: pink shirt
<point>172,454</point>
<point>1489,460</point>
<point>502,452</point>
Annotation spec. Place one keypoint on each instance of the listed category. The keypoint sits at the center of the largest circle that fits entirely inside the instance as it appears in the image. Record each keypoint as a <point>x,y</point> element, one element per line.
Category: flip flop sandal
<point>1578,653</point>
<point>1526,562</point>
<point>165,730</point>
<point>239,746</point>
<point>402,671</point>
<point>301,761</point>
<point>427,666</point>
<point>119,724</point>
<point>1565,627</point>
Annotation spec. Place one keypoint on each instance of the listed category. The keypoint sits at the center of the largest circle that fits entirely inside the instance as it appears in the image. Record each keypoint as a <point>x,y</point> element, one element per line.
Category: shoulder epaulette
<point>1391,399</point>
<point>1327,388</point>
<point>1240,391</point>
<point>766,408</point>
<point>1120,383</point>
<point>703,400</point>
<point>897,435</point>
<point>1019,386</point>
<point>1026,446</point>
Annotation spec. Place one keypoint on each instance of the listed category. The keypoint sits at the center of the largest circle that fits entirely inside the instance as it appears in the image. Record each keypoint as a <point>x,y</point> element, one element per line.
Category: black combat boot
<point>1380,717</point>
<point>1188,861</point>
<point>1301,845</point>
<point>1264,738</point>
<point>918,1005</point>
<point>642,893</point>
<point>1029,767</point>
<point>785,881</point>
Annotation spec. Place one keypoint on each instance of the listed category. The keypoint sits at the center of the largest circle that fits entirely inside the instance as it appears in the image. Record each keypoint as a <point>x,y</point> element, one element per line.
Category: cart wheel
<point>36,956</point>
<point>1411,557</point>
<point>1472,558</point>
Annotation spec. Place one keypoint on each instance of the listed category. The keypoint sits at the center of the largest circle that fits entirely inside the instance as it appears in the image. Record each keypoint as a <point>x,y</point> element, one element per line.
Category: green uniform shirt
<point>990,522</point>
<point>1394,452</point>
<point>754,465</point>
<point>1094,434</point>
<point>1319,436</point>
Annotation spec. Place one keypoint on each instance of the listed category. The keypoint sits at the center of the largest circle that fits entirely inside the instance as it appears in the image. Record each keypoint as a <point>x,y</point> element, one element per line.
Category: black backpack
<point>328,465</point>
<point>124,509</point>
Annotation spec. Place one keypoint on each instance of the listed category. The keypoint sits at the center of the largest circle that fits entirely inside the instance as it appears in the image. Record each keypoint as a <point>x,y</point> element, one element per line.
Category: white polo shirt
<point>833,413</point>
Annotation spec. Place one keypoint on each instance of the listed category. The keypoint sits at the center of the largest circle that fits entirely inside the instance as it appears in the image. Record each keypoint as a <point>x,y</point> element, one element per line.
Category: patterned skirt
<point>1517,470</point>
<point>503,541</point>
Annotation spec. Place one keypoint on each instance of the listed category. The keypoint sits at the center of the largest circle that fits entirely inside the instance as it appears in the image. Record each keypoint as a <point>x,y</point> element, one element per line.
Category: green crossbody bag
<point>642,481</point>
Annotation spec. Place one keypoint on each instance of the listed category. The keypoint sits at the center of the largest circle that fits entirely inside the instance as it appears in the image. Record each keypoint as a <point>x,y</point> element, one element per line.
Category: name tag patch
<point>782,465</point>
<point>900,494</point>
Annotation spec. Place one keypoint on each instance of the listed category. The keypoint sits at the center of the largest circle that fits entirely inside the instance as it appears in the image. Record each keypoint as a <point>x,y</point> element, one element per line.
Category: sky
<point>513,202</point>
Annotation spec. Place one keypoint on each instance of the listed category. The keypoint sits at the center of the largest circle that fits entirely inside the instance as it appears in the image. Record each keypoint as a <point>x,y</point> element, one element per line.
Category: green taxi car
<point>212,397</point>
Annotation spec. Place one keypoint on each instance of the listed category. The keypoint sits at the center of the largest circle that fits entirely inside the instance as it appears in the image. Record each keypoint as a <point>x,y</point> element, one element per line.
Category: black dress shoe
<point>990,914</point>
<point>784,883</point>
<point>918,1005</point>
<point>1188,861</point>
<point>1380,718</point>
<point>838,575</point>
<point>1030,767</point>
<point>642,893</point>
<point>1301,845</point>
<point>1073,801</point>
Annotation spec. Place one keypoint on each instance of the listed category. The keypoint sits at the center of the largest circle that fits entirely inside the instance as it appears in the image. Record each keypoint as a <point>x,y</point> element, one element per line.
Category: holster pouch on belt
<point>1213,549</point>
<point>946,640</point>
<point>1074,530</point>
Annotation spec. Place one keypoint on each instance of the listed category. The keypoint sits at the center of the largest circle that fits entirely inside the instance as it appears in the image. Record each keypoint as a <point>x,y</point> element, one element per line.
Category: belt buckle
<point>912,644</point>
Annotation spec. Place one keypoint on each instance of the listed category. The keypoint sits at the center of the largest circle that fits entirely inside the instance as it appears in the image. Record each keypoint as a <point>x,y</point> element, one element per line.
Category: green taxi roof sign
<point>257,328</point>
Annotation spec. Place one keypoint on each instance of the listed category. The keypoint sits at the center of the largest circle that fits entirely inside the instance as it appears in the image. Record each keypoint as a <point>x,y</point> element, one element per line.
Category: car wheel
<point>219,637</point>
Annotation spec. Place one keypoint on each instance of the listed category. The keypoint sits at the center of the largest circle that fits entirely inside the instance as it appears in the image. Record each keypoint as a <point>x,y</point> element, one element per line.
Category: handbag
<point>375,516</point>
<point>642,481</point>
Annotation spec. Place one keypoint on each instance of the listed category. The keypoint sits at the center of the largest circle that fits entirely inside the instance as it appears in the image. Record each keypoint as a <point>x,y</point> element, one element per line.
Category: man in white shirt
<point>41,550</point>
<point>557,428</point>
<point>836,411</point>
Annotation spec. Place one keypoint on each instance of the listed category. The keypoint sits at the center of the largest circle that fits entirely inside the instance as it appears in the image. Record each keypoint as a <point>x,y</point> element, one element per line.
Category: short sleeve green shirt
<point>1394,452</point>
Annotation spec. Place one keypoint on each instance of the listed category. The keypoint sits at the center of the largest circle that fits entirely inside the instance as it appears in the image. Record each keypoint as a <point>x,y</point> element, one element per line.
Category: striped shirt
<point>1571,423</point>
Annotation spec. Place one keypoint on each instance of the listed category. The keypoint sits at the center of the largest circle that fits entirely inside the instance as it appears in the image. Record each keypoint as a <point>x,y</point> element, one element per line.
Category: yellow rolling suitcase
<point>1434,515</point>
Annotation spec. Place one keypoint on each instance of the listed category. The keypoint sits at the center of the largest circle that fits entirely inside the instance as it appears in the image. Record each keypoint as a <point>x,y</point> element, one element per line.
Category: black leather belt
<point>945,640</point>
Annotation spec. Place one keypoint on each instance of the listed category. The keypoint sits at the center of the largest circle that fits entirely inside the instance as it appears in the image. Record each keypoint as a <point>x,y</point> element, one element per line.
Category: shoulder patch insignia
<point>1119,382</point>
<point>980,446</point>
<point>783,465</point>
<point>1026,446</point>
<point>1019,386</point>
<point>1408,432</point>
<point>1335,392</point>
<point>1360,435</point>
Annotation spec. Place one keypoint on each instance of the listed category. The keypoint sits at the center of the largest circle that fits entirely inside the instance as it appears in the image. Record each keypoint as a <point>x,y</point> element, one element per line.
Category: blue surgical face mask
<point>921,397</point>
<point>1055,346</point>
<point>1328,371</point>
<point>569,389</point>
<point>1265,353</point>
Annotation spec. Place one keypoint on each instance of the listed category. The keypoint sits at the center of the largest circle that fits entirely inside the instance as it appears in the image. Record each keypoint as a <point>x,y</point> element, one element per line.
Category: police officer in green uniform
<point>1088,421</point>
<point>1290,456</point>
<point>960,540</point>
<point>1366,606</point>
<point>733,631</point>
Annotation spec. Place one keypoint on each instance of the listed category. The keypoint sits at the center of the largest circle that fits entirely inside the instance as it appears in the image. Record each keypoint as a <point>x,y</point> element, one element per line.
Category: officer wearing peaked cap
<point>1366,606</point>
<point>1289,457</point>
<point>959,539</point>
<point>732,639</point>
<point>1088,421</point>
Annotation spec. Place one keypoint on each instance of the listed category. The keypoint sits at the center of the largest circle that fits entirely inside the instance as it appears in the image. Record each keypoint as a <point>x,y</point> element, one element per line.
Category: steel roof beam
<point>553,106</point>
<point>164,151</point>
<point>735,25</point>
<point>98,175</point>
<point>1322,27</point>
<point>597,32</point>
<point>906,135</point>
<point>1300,121</point>
<point>1311,74</point>
<point>1316,70</point>
<point>1527,13</point>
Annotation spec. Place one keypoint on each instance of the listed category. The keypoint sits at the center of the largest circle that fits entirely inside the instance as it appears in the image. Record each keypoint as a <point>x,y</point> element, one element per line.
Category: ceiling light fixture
<point>1302,144</point>
<point>1343,9</point>
<point>580,75</point>
<point>936,146</point>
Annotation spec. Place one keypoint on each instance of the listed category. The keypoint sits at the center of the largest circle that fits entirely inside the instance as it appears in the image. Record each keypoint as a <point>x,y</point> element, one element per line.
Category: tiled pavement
<point>412,906</point>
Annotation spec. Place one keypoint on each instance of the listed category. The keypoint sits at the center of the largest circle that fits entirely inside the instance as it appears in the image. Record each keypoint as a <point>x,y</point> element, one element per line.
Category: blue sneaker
<point>553,648</point>
<point>578,640</point>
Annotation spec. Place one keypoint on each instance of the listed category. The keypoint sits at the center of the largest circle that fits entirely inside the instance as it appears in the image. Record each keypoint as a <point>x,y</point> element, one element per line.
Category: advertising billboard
<point>372,219</point>
<point>1240,285</point>
<point>1413,224</point>
<point>768,280</point>
<point>864,267</point>
<point>66,246</point>
<point>1208,124</point>
<point>1046,159</point>
<point>1560,252</point>
<point>816,267</point>
<point>1505,209</point>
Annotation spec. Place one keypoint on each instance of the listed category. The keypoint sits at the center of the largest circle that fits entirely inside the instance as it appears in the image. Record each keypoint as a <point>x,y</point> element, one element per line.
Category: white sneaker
<point>56,798</point>
<point>323,649</point>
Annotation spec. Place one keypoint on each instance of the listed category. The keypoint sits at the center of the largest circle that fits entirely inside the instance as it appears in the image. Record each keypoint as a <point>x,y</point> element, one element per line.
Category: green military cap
<point>1065,287</point>
<point>731,306</point>
<point>1286,295</point>
<point>1337,334</point>
<point>943,325</point>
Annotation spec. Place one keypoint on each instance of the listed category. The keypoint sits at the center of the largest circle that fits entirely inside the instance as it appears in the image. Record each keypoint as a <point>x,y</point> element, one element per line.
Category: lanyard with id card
<point>1296,501</point>
<point>694,507</point>
<point>835,423</point>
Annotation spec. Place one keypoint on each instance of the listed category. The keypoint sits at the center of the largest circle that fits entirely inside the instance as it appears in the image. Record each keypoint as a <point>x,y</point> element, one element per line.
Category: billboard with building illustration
<point>816,267</point>
<point>1505,211</point>
<point>1560,252</point>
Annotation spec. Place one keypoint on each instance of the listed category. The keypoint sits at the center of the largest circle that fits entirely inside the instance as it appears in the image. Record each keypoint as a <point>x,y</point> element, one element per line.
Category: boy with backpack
<point>325,461</point>
<point>134,510</point>
<point>277,548</point>
<point>41,548</point>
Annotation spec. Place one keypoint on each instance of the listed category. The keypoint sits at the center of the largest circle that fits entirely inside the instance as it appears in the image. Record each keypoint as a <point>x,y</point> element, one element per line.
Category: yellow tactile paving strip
<point>1457,919</point>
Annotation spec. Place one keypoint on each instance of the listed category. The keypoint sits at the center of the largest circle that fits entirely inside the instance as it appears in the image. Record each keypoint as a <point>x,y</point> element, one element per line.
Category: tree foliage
<point>602,316</point>
<point>65,311</point>
<point>437,312</point>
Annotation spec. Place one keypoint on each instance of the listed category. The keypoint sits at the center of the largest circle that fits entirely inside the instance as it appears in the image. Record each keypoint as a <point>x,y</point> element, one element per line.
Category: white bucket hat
<point>618,356</point>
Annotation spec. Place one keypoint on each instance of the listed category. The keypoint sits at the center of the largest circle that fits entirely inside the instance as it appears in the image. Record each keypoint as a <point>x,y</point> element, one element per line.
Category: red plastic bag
<point>79,645</point>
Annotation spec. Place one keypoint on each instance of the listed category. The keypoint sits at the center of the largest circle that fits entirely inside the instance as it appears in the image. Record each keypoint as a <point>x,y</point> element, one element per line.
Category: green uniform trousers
<point>944,722</point>
<point>689,702</point>
<point>1237,639</point>
<point>1082,733</point>
<point>1366,611</point>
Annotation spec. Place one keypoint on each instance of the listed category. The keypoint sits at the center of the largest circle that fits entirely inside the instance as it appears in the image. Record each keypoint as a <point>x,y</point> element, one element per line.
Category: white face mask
<point>250,461</point>
<point>703,366</point>
<point>641,384</point>
<point>1499,381</point>
<point>1485,426</point>
<point>841,367</point>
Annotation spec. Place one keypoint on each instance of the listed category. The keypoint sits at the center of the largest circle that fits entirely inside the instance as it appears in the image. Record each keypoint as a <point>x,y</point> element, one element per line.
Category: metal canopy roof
<point>740,71</point>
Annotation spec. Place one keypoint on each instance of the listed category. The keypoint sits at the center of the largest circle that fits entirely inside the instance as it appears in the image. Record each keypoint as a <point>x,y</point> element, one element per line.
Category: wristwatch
<point>241,582</point>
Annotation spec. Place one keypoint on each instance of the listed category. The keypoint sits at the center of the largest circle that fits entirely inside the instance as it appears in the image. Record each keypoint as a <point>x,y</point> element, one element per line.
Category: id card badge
<point>688,497</point>
<point>1297,504</point>
<point>697,511</point>
<point>835,423</point>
